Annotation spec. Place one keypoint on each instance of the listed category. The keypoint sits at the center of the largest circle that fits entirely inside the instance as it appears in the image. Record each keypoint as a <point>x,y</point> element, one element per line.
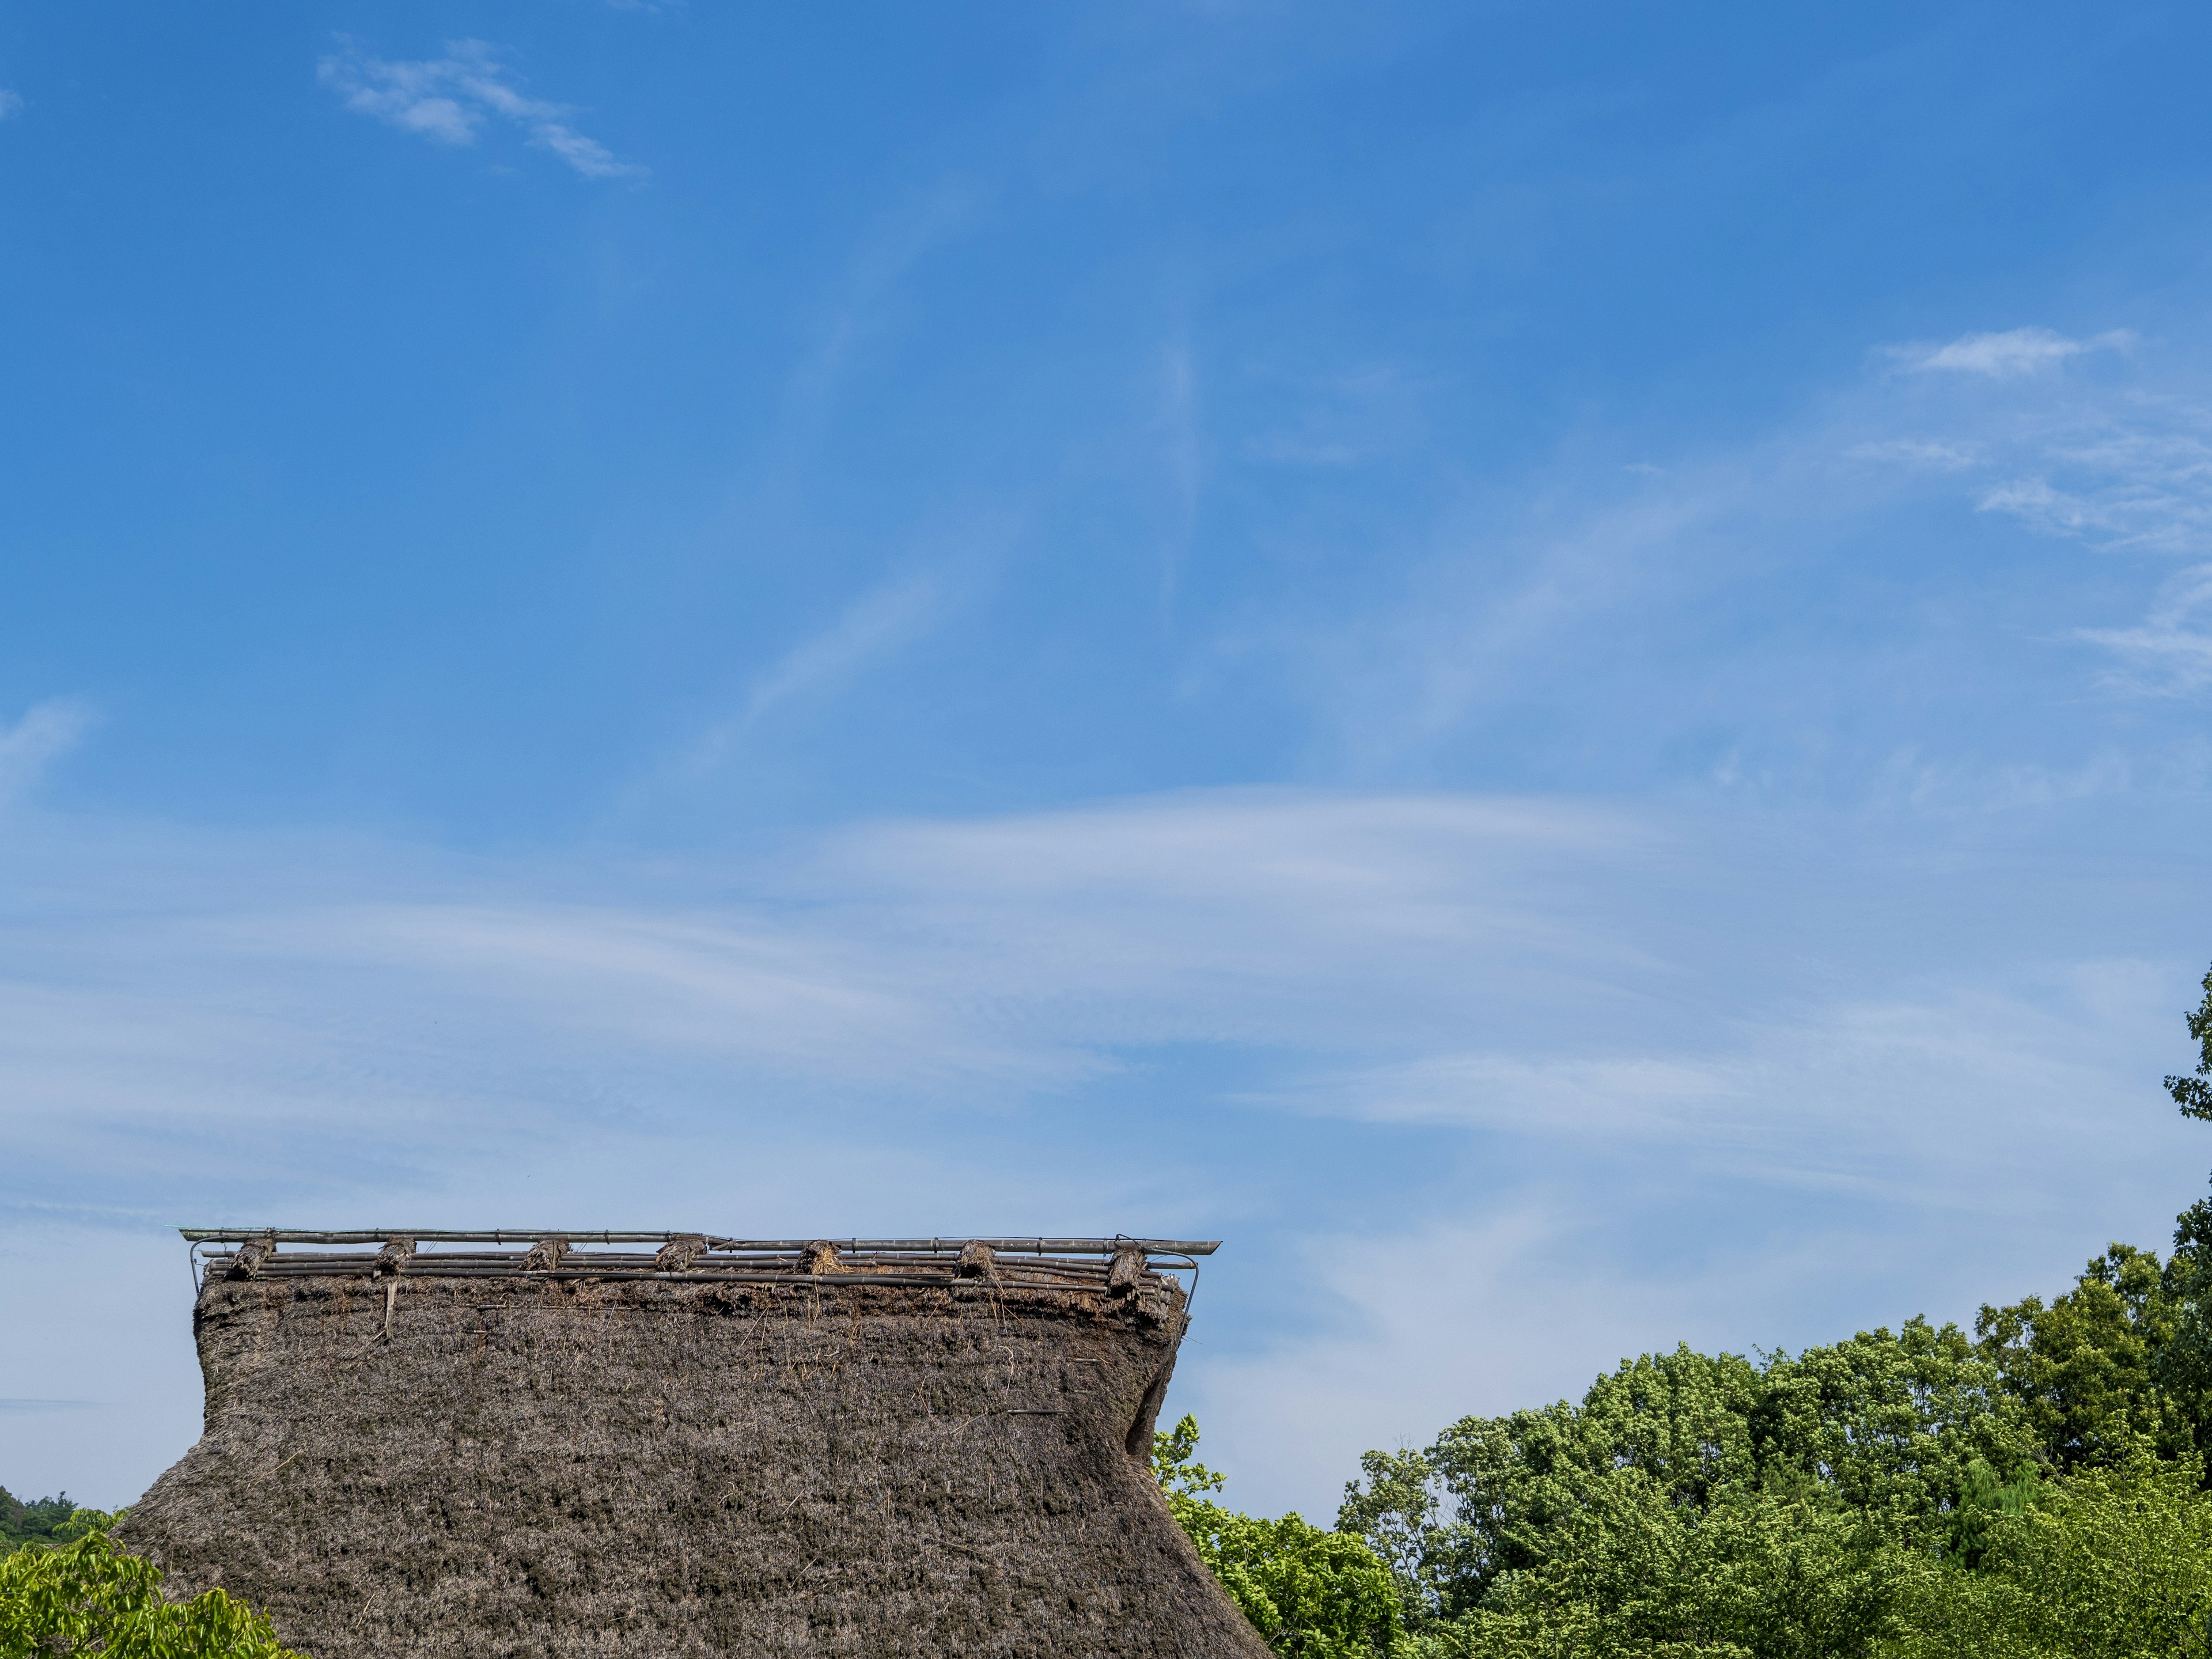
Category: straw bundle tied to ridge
<point>563,1443</point>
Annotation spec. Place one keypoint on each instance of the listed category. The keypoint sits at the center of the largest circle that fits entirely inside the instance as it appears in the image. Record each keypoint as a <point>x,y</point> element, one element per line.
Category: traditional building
<point>664,1446</point>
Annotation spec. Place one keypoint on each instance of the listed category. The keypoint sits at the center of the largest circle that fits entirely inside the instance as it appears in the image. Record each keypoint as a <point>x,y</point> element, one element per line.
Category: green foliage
<point>1395,1508</point>
<point>1681,1475</point>
<point>89,1597</point>
<point>2087,1368</point>
<point>1984,1502</point>
<point>2122,1364</point>
<point>1852,1502</point>
<point>45,1521</point>
<point>2194,1094</point>
<point>2035,1492</point>
<point>2106,1564</point>
<point>1517,1489</point>
<point>2183,1365</point>
<point>1888,1424</point>
<point>1311,1594</point>
<point>1633,1574</point>
<point>1176,1465</point>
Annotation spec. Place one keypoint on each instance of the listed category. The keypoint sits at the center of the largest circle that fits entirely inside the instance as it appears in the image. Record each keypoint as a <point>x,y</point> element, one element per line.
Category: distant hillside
<point>34,1523</point>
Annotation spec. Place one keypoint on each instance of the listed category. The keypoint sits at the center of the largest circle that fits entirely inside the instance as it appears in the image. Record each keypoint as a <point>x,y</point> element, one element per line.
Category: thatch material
<point>820,1257</point>
<point>730,1458</point>
<point>679,1253</point>
<point>546,1254</point>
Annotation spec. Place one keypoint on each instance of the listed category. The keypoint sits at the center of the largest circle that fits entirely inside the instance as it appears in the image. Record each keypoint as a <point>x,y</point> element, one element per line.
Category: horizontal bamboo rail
<point>531,1235</point>
<point>1033,1263</point>
<point>819,1282</point>
<point>331,1261</point>
<point>1078,1263</point>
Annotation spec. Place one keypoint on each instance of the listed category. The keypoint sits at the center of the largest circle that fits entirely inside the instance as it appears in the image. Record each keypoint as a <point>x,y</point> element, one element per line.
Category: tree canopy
<point>41,1521</point>
<point>1311,1594</point>
<point>2036,1489</point>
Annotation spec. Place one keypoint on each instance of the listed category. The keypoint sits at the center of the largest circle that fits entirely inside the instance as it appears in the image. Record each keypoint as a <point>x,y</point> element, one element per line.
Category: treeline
<point>2034,1491</point>
<point>43,1521</point>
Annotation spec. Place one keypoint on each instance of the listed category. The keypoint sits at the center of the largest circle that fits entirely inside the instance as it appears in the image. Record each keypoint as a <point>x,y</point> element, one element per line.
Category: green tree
<point>2194,1094</point>
<point>1634,1574</point>
<point>89,1597</point>
<point>1697,1505</point>
<point>2109,1563</point>
<point>1395,1507</point>
<point>1983,1505</point>
<point>2032,1490</point>
<point>1884,1425</point>
<point>2184,1364</point>
<point>2087,1368</point>
<point>45,1520</point>
<point>1311,1594</point>
<point>1516,1489</point>
<point>1887,1423</point>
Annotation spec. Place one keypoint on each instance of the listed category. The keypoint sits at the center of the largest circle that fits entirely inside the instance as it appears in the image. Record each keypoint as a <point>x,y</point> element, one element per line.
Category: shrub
<point>89,1597</point>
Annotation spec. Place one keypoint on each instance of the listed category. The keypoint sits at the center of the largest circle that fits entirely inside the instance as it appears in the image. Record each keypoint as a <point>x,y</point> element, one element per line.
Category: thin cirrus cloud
<point>877,624</point>
<point>1421,952</point>
<point>883,618</point>
<point>2119,463</point>
<point>2171,651</point>
<point>2124,470</point>
<point>238,1036</point>
<point>450,100</point>
<point>2125,467</point>
<point>11,104</point>
<point>2006,354</point>
<point>1606,1018</point>
<point>42,735</point>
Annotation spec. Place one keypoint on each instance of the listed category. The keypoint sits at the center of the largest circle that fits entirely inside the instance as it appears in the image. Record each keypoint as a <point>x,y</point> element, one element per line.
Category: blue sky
<point>1548,665</point>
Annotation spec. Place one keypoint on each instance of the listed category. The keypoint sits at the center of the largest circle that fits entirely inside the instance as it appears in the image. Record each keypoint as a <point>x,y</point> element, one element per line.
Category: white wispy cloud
<point>2135,473</point>
<point>1538,592</point>
<point>1431,1322</point>
<point>2125,468</point>
<point>951,1022</point>
<point>1933,453</point>
<point>11,104</point>
<point>862,304</point>
<point>2122,468</point>
<point>887,616</point>
<point>1532,584</point>
<point>449,101</point>
<point>44,733</point>
<point>2170,650</point>
<point>1439,959</point>
<point>2008,355</point>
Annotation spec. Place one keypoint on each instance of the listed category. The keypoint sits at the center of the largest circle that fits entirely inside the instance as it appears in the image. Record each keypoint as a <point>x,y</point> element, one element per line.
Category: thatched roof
<point>547,1444</point>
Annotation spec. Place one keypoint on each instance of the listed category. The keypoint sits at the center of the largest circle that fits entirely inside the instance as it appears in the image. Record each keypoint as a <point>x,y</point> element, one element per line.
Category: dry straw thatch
<point>711,1447</point>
